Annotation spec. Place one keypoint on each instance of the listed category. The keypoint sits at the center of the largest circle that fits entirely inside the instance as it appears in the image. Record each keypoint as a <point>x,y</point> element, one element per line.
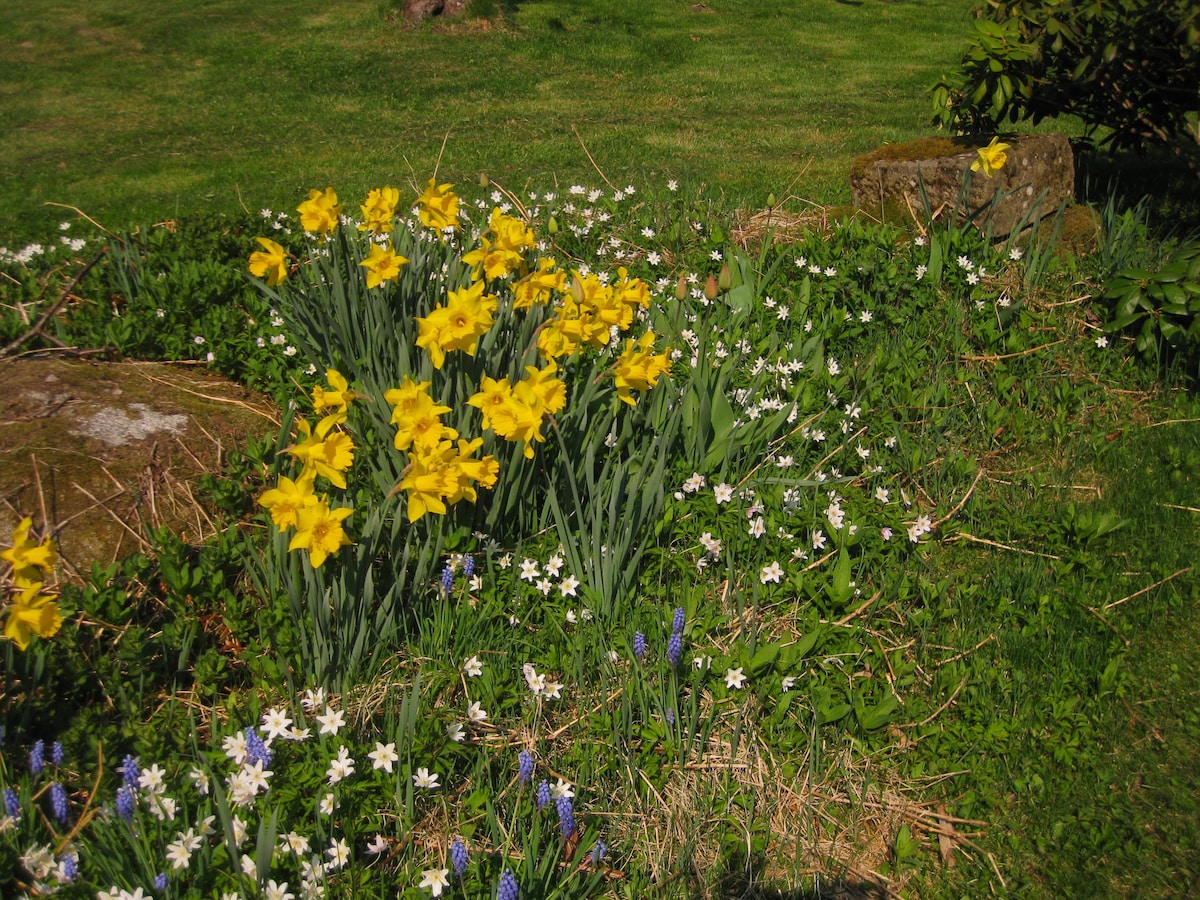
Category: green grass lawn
<point>148,111</point>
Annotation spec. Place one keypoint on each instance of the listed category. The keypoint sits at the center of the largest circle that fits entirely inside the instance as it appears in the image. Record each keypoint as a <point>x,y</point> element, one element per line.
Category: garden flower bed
<point>597,555</point>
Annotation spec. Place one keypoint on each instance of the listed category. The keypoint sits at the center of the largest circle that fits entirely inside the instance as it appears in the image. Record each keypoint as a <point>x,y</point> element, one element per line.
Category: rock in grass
<point>109,450</point>
<point>1037,177</point>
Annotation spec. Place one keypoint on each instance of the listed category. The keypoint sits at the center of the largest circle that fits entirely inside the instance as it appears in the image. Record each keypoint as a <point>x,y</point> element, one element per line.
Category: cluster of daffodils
<point>28,610</point>
<point>579,311</point>
<point>326,451</point>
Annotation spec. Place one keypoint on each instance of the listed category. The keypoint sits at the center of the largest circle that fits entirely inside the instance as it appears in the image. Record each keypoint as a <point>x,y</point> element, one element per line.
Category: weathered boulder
<point>1037,178</point>
<point>419,10</point>
<point>100,451</point>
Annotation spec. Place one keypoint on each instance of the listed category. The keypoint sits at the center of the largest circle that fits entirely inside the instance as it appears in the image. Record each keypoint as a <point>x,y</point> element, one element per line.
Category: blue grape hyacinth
<point>58,802</point>
<point>508,889</point>
<point>37,757</point>
<point>524,767</point>
<point>459,857</point>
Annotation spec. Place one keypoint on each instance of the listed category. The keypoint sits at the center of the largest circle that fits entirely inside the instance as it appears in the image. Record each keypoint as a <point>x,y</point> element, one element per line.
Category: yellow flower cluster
<point>325,451</point>
<point>438,207</point>
<point>321,212</point>
<point>379,210</point>
<point>270,262</point>
<point>516,412</point>
<point>587,314</point>
<point>637,368</point>
<point>31,611</point>
<point>501,248</point>
<point>442,468</point>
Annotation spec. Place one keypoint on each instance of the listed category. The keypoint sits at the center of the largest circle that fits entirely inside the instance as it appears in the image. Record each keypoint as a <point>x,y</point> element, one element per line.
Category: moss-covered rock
<point>1037,178</point>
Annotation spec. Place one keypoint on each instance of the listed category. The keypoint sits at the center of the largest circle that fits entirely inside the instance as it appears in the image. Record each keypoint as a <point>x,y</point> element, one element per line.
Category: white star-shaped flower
<point>425,779</point>
<point>331,721</point>
<point>437,880</point>
<point>383,756</point>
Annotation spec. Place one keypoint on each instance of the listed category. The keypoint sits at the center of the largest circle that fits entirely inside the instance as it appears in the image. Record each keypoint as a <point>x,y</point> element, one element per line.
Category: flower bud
<point>681,288</point>
<point>710,288</point>
<point>725,279</point>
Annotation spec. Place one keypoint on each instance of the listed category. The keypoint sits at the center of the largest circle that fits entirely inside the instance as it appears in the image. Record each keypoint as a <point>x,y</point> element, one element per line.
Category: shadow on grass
<point>738,882</point>
<point>1171,189</point>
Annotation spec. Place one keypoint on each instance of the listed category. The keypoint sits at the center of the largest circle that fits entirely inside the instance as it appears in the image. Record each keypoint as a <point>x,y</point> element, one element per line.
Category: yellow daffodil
<point>28,556</point>
<point>422,427</point>
<point>458,325</point>
<point>382,265</point>
<point>417,417</point>
<point>516,413</point>
<point>380,210</point>
<point>334,400</point>
<point>428,483</point>
<point>551,393</point>
<point>326,454</point>
<point>320,212</point>
<point>492,400</point>
<point>270,262</point>
<point>991,158</point>
<point>32,612</point>
<point>638,369</point>
<point>286,499</point>
<point>438,478</point>
<point>538,286</point>
<point>319,531</point>
<point>438,206</point>
<point>501,251</point>
<point>408,397</point>
<point>468,471</point>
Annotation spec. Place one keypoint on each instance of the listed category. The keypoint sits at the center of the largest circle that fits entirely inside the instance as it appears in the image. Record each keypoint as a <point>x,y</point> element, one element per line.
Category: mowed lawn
<point>136,112</point>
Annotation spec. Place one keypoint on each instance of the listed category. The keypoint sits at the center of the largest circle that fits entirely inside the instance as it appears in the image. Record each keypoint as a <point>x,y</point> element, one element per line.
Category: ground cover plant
<point>619,543</point>
<point>811,623</point>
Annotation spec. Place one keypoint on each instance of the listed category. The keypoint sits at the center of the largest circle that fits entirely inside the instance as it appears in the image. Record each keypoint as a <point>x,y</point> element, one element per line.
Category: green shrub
<point>1127,67</point>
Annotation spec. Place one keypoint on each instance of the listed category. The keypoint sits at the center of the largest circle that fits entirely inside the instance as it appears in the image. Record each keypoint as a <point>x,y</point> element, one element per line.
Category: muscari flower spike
<point>639,645</point>
<point>58,801</point>
<point>524,767</point>
<point>129,770</point>
<point>543,795</point>
<point>566,816</point>
<point>37,757</point>
<point>125,802</point>
<point>508,889</point>
<point>675,648</point>
<point>459,857</point>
